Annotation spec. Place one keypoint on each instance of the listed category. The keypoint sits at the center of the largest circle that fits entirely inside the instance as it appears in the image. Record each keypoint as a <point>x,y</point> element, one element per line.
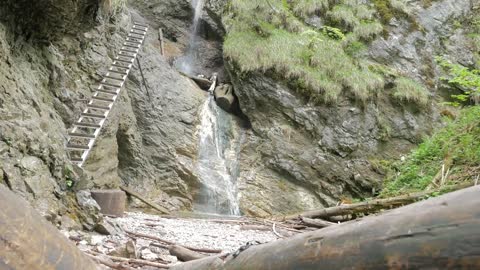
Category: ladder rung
<point>117,72</point>
<point>135,36</point>
<point>138,31</point>
<point>87,125</point>
<point>140,24</point>
<point>92,115</point>
<point>133,40</point>
<point>124,54</point>
<point>131,46</point>
<point>127,50</point>
<point>136,25</point>
<point>114,78</point>
<point>72,146</point>
<point>93,106</point>
<point>103,99</point>
<point>106,91</point>
<point>81,135</point>
<point>76,160</point>
<point>124,61</point>
<point>120,66</point>
<point>111,84</point>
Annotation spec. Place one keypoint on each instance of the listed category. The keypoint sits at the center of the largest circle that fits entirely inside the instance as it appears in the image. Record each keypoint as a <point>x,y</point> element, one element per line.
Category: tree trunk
<point>29,242</point>
<point>440,233</point>
<point>373,205</point>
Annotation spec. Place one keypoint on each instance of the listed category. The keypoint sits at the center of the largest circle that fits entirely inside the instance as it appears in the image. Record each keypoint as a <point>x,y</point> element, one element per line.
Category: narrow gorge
<point>244,121</point>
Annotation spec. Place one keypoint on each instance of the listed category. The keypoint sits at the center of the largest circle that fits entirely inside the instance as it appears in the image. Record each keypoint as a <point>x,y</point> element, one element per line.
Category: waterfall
<point>186,63</point>
<point>219,147</point>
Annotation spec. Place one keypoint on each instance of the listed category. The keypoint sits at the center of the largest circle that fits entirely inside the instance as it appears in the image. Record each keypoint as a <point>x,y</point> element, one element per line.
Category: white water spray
<point>186,63</point>
<point>217,161</point>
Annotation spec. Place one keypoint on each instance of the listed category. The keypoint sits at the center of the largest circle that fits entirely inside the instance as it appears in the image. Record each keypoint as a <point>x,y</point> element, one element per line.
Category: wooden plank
<point>144,200</point>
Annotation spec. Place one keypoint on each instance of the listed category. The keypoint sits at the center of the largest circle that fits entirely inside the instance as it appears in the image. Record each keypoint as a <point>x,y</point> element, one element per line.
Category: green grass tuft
<point>408,90</point>
<point>457,146</point>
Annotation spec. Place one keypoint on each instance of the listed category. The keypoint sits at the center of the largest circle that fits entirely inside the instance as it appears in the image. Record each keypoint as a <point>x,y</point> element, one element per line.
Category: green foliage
<point>368,30</point>
<point>344,16</point>
<point>463,78</point>
<point>457,145</point>
<point>67,172</point>
<point>384,9</point>
<point>306,8</point>
<point>408,90</point>
<point>333,33</point>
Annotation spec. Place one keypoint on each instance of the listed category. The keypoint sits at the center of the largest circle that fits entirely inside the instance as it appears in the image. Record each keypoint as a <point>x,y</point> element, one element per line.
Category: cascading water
<point>219,146</point>
<point>186,63</point>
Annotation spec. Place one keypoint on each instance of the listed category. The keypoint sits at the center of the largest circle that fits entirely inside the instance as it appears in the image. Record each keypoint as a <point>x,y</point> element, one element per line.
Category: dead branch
<point>205,250</point>
<point>373,205</point>
<point>155,206</point>
<point>132,261</point>
<point>317,223</point>
<point>184,254</point>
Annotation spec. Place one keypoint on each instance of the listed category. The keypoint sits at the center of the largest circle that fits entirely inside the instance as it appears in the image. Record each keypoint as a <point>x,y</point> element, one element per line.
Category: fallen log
<point>132,261</point>
<point>203,83</point>
<point>373,205</point>
<point>28,241</point>
<point>205,250</point>
<point>317,223</point>
<point>146,201</point>
<point>184,254</point>
<point>439,233</point>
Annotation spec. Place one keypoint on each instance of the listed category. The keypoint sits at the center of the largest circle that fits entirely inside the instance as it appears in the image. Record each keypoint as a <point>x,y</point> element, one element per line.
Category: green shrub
<point>306,8</point>
<point>408,90</point>
<point>457,146</point>
<point>463,78</point>
<point>368,30</point>
<point>344,16</point>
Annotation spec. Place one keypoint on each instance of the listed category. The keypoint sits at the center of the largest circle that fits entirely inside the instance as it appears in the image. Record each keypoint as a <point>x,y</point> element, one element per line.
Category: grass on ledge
<point>456,146</point>
<point>322,64</point>
<point>408,90</point>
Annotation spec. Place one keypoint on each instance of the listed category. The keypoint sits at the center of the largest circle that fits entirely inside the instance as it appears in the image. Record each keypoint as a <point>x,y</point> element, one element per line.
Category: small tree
<point>463,78</point>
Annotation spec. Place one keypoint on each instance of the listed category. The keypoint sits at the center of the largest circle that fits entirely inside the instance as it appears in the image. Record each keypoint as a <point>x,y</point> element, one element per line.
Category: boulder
<point>224,97</point>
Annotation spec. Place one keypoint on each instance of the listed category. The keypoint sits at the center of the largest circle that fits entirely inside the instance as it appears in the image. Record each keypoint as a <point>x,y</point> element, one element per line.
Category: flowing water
<point>186,63</point>
<point>219,146</point>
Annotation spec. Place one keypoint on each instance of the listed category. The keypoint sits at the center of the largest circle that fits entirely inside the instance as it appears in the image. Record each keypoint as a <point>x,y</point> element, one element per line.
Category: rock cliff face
<point>318,155</point>
<point>148,141</point>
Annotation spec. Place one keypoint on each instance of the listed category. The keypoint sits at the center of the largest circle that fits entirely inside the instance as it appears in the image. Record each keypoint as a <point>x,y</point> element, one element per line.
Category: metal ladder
<point>86,130</point>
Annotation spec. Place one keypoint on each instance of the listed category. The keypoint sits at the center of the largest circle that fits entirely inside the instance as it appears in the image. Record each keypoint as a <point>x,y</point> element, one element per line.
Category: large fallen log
<point>29,242</point>
<point>439,233</point>
<point>372,205</point>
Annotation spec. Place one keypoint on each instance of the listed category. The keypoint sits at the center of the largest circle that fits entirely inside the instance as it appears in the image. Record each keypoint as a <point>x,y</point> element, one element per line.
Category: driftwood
<point>108,263</point>
<point>132,261</point>
<point>205,250</point>
<point>143,199</point>
<point>317,223</point>
<point>29,241</point>
<point>184,254</point>
<point>439,233</point>
<point>160,39</point>
<point>371,206</point>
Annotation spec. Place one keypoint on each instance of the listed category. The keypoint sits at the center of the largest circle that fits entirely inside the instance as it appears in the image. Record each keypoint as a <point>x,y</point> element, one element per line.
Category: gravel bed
<point>193,232</point>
